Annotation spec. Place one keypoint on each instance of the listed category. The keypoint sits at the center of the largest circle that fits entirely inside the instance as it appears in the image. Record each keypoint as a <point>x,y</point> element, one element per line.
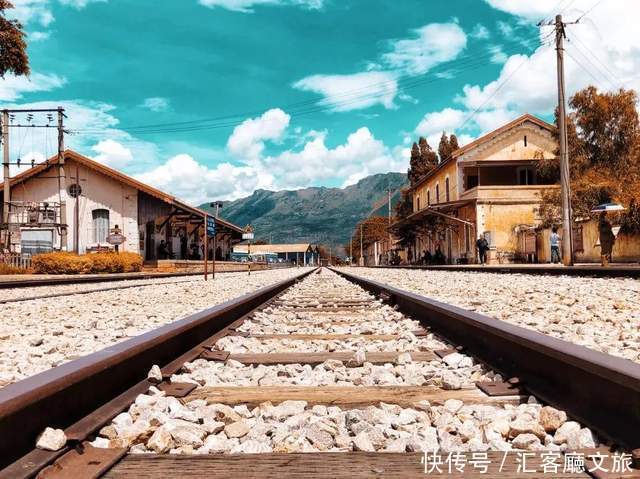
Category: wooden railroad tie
<point>348,396</point>
<point>313,358</point>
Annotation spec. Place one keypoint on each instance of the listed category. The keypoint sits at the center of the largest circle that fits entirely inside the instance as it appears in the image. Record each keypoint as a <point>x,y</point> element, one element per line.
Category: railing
<point>16,260</point>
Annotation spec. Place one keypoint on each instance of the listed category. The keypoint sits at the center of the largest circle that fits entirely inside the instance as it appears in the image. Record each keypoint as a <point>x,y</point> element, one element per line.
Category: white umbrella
<point>606,207</point>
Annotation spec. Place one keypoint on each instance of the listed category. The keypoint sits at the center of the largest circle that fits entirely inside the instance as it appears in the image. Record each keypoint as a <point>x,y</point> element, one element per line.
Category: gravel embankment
<point>599,313</point>
<point>40,334</point>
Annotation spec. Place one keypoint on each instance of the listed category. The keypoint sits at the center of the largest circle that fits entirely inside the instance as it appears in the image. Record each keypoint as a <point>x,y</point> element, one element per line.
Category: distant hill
<point>313,215</point>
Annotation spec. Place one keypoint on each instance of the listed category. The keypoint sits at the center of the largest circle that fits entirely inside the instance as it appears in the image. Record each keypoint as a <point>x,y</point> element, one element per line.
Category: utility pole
<point>565,179</point>
<point>351,251</point>
<point>361,245</point>
<point>6,177</point>
<point>389,228</point>
<point>62,181</point>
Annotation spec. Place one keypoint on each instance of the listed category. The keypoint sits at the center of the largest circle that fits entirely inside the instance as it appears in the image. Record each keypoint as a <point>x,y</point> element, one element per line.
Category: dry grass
<point>69,263</point>
<point>7,269</point>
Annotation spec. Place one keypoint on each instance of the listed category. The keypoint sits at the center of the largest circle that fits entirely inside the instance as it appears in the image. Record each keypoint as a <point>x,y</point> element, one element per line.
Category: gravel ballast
<point>40,334</point>
<point>600,313</point>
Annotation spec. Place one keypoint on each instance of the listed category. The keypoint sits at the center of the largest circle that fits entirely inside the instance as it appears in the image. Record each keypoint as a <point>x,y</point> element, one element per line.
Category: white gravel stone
<point>51,439</point>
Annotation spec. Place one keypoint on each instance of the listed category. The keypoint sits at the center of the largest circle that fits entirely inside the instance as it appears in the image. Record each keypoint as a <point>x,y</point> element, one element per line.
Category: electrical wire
<point>313,106</point>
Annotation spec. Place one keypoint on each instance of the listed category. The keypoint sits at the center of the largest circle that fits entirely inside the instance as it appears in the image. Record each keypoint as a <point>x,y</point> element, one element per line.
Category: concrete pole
<point>62,182</point>
<point>565,180</point>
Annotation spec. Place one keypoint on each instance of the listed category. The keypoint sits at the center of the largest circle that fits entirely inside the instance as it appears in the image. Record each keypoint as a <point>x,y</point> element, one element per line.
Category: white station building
<point>96,199</point>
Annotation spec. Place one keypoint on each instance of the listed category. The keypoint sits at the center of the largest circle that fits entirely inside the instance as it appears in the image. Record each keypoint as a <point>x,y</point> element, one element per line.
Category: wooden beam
<point>349,397</point>
<point>327,337</point>
<point>332,465</point>
<point>318,358</point>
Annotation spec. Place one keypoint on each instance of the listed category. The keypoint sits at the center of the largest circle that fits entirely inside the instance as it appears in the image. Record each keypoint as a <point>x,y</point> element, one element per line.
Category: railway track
<point>329,375</point>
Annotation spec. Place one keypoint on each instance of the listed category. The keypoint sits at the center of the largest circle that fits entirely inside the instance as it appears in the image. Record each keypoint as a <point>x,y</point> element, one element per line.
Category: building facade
<point>91,201</point>
<point>487,187</point>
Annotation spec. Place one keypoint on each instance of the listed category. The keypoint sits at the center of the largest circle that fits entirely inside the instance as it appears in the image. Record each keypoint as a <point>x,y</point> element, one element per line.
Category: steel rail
<point>66,395</point>
<point>581,270</point>
<point>599,390</point>
<point>106,278</point>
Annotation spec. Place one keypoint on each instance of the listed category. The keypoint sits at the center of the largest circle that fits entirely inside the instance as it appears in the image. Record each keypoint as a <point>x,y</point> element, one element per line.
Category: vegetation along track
<point>260,386</point>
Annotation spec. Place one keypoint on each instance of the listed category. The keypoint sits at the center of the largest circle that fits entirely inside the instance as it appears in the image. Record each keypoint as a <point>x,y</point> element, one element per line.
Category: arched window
<point>417,203</point>
<point>428,197</point>
<point>438,193</point>
<point>446,189</point>
<point>100,225</point>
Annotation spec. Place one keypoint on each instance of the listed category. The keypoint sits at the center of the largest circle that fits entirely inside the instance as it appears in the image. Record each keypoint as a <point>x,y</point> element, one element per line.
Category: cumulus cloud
<point>246,6</point>
<point>432,44</point>
<point>248,139</point>
<point>429,46</point>
<point>156,104</point>
<point>365,89</point>
<point>113,154</point>
<point>12,87</point>
<point>196,183</point>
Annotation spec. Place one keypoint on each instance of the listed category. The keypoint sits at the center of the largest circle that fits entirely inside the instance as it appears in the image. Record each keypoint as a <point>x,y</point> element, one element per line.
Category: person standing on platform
<point>607,239</point>
<point>555,245</point>
<point>483,247</point>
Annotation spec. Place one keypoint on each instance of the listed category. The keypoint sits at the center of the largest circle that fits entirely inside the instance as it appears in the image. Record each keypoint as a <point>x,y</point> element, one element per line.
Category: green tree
<point>13,48</point>
<point>427,155</point>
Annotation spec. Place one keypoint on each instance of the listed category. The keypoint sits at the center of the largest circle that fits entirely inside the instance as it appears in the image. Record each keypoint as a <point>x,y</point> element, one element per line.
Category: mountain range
<point>317,215</point>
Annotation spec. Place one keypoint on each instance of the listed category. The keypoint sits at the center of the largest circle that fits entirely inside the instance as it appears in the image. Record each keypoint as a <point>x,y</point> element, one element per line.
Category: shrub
<point>70,263</point>
<point>8,269</point>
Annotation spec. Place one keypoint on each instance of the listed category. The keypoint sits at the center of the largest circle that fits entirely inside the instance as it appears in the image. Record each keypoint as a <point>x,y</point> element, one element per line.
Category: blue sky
<point>215,98</point>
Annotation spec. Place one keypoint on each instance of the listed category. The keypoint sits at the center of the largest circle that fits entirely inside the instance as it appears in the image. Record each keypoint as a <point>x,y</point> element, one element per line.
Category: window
<point>437,193</point>
<point>100,225</point>
<point>417,203</point>
<point>525,176</point>
<point>428,197</point>
<point>446,189</point>
<point>525,140</point>
<point>74,190</point>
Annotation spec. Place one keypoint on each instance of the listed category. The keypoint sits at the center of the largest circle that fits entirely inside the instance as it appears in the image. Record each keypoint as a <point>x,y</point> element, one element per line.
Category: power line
<point>604,66</point>
<point>589,11</point>
<point>307,107</point>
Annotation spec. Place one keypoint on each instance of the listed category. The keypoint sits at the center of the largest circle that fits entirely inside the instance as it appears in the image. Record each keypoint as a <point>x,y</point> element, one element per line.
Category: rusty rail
<point>597,389</point>
<point>65,395</point>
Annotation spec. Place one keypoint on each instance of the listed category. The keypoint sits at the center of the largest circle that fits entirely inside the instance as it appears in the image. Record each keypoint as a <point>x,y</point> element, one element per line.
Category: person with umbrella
<point>607,238</point>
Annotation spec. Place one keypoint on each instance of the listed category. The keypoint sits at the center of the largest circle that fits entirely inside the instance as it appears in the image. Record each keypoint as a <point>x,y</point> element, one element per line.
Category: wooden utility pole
<point>6,177</point>
<point>62,182</point>
<point>565,178</point>
<point>206,252</point>
<point>351,251</point>
<point>389,226</point>
<point>361,245</point>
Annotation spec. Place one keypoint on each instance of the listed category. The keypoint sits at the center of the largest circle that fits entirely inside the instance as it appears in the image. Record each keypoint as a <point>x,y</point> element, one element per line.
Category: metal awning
<point>440,210</point>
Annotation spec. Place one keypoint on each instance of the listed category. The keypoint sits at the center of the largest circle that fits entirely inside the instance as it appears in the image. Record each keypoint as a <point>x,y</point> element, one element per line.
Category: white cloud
<point>353,92</point>
<point>113,154</point>
<point>480,32</point>
<point>156,104</point>
<point>247,139</point>
<point>40,11</point>
<point>32,11</point>
<point>39,36</point>
<point>434,44</point>
<point>196,183</point>
<point>246,6</point>
<point>434,123</point>
<point>13,87</point>
<point>361,155</point>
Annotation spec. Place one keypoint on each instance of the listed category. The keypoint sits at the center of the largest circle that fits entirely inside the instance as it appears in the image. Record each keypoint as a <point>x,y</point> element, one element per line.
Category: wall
<point>501,220</point>
<point>449,170</point>
<point>98,191</point>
